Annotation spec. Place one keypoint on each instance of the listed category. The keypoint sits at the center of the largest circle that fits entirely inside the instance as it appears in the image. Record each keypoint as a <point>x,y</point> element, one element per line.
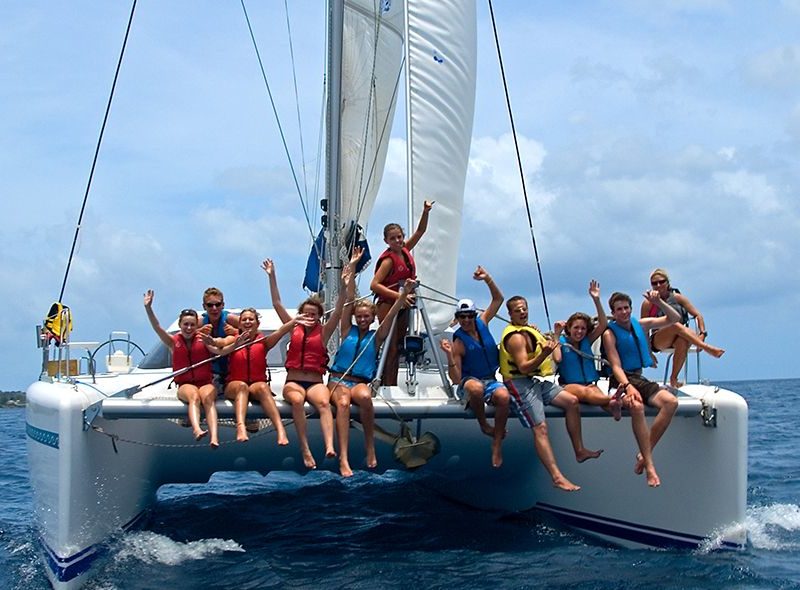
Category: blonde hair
<point>661,272</point>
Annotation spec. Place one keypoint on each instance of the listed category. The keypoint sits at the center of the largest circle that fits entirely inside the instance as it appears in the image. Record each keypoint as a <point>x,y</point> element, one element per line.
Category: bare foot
<point>638,469</point>
<point>615,407</point>
<point>716,352</point>
<point>563,483</point>
<point>308,460</point>
<point>652,478</point>
<point>497,453</point>
<point>344,469</point>
<point>585,454</point>
<point>214,444</point>
<point>330,453</point>
<point>673,382</point>
<point>241,433</point>
<point>283,440</point>
<point>372,461</point>
<point>198,434</point>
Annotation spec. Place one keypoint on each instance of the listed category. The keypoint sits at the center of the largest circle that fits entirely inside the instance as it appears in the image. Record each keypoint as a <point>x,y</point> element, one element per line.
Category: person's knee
<point>501,397</point>
<point>342,401</point>
<point>474,389</point>
<point>566,400</point>
<point>540,429</point>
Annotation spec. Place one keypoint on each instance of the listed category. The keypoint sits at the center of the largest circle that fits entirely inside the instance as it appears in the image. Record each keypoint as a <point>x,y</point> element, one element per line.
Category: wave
<point>150,547</point>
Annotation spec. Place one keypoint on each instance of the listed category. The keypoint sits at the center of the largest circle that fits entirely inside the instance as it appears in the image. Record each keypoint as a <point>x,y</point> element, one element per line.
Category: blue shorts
<point>529,396</point>
<point>349,383</point>
<point>489,387</point>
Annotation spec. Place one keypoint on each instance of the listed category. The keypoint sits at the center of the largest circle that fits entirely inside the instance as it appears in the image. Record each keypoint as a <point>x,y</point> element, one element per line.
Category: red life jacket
<point>185,356</point>
<point>248,364</point>
<point>402,268</point>
<point>307,352</point>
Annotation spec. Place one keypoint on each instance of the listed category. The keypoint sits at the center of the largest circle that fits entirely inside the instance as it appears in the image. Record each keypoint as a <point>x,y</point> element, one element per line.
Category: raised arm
<point>405,292</point>
<point>454,351</point>
<point>348,276</point>
<point>559,328</point>
<point>269,267</point>
<point>422,226</point>
<point>480,274</point>
<point>602,319</point>
<point>350,302</point>
<point>162,333</point>
<point>670,316</point>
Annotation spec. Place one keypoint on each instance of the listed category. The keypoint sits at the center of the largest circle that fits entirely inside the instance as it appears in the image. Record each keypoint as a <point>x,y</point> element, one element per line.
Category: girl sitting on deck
<point>248,375</point>
<point>307,360</point>
<point>188,348</point>
<point>355,365</point>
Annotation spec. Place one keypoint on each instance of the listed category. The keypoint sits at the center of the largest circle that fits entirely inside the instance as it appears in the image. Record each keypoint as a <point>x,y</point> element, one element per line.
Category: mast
<point>331,206</point>
<point>409,167</point>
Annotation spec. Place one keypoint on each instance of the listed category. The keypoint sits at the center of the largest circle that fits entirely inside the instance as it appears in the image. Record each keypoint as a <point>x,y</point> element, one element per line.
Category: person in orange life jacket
<point>625,346</point>
<point>307,360</point>
<point>472,362</point>
<point>355,365</point>
<point>194,386</point>
<point>579,376</point>
<point>221,325</point>
<point>247,371</point>
<point>395,265</point>
<point>678,336</point>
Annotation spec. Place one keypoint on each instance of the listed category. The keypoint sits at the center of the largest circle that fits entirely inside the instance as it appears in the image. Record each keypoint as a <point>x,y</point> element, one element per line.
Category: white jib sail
<point>441,68</point>
<point>371,66</point>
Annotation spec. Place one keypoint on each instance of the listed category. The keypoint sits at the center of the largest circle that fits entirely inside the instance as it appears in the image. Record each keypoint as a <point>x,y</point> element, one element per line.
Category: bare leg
<point>545,452</point>
<point>320,396</point>
<point>236,391</point>
<point>208,396</point>
<point>341,398</point>
<point>642,435</point>
<point>572,414</point>
<point>474,389</point>
<point>189,393</point>
<point>681,347</point>
<point>262,393</point>
<point>362,397</point>
<point>667,404</point>
<point>501,400</point>
<point>296,395</point>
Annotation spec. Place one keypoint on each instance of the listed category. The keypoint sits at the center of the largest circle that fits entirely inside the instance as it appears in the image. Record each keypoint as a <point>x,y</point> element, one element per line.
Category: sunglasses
<point>190,312</point>
<point>214,304</point>
<point>461,316</point>
<point>658,283</point>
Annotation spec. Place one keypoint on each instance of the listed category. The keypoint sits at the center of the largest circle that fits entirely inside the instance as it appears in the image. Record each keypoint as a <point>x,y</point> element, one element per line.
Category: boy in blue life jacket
<point>472,363</point>
<point>626,348</point>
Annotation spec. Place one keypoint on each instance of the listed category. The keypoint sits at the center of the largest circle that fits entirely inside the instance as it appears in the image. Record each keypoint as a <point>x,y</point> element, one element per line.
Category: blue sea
<point>245,531</point>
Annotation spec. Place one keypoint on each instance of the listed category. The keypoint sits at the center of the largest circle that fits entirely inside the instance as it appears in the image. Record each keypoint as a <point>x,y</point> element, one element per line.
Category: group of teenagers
<point>528,361</point>
<point>221,352</point>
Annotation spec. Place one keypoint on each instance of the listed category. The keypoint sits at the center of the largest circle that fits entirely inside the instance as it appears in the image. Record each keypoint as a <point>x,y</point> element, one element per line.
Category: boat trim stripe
<point>630,531</point>
<point>46,437</point>
<point>67,568</point>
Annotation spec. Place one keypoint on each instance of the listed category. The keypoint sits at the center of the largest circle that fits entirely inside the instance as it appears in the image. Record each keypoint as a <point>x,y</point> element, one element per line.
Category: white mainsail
<point>372,59</point>
<point>441,63</point>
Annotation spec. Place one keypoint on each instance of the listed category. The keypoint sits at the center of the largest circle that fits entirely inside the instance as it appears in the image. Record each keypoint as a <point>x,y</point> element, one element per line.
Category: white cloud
<point>776,69</point>
<point>753,189</point>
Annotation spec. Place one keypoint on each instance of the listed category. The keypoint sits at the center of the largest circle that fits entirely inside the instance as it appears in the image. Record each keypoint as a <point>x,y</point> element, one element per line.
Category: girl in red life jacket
<point>247,372</point>
<point>394,266</point>
<point>307,361</point>
<point>194,386</point>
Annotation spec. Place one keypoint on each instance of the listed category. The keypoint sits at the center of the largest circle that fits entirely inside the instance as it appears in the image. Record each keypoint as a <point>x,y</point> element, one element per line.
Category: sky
<point>653,134</point>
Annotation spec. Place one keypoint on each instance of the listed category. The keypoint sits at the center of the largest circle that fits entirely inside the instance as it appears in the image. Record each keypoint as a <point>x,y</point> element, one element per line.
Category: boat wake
<point>150,547</point>
<point>775,527</point>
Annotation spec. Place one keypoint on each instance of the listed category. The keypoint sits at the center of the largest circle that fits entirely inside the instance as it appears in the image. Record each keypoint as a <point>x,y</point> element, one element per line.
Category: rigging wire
<point>97,153</point>
<point>296,99</point>
<point>277,120</point>
<point>519,164</point>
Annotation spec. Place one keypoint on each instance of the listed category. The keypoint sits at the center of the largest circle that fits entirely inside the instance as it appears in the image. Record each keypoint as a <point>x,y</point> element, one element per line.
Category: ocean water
<point>285,531</point>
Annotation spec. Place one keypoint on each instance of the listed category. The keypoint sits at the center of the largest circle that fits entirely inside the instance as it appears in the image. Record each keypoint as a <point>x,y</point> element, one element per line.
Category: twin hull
<point>89,484</point>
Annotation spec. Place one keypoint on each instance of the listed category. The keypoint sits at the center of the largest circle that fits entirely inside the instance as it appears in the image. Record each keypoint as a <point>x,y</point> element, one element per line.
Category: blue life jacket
<point>632,347</point>
<point>575,368</point>
<point>352,345</point>
<point>219,366</point>
<point>481,358</point>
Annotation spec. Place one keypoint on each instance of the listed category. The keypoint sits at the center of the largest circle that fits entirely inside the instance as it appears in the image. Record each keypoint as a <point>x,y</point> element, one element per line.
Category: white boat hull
<point>89,485</point>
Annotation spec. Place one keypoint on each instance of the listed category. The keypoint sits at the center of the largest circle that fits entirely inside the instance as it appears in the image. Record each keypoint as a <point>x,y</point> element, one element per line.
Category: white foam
<point>151,547</point>
<point>768,526</point>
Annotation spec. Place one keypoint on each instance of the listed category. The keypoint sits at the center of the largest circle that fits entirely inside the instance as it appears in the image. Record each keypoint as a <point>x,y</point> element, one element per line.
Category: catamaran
<point>101,443</point>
